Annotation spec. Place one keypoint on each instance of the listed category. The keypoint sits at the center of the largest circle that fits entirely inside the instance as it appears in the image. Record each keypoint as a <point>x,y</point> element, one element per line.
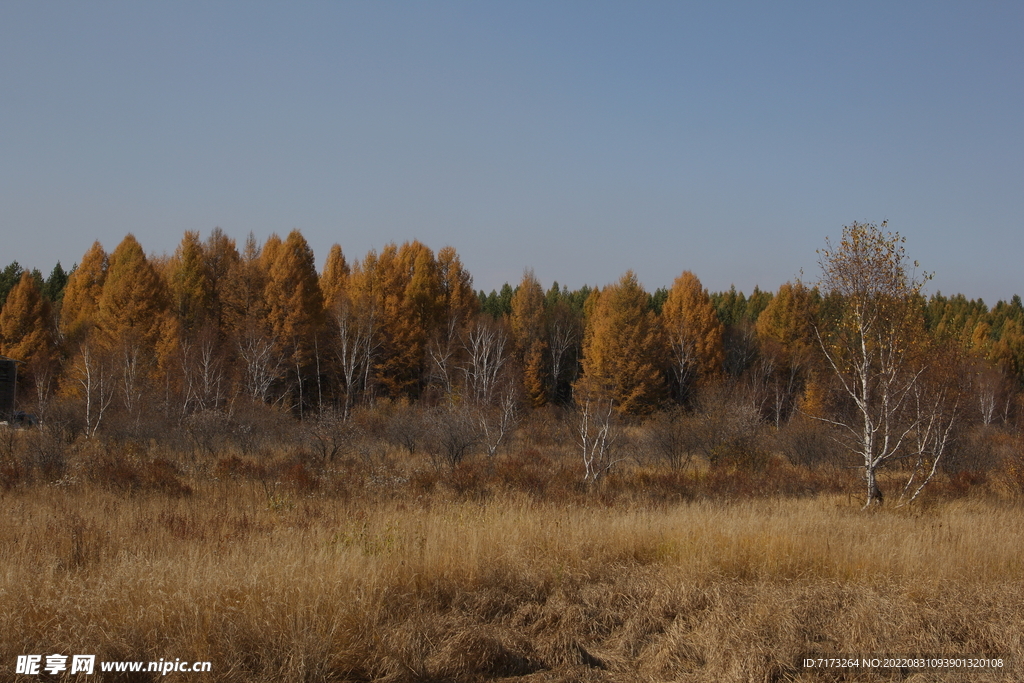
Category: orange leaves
<point>786,325</point>
<point>529,328</point>
<point>82,294</point>
<point>623,353</point>
<point>293,294</point>
<point>25,323</point>
<point>133,298</point>
<point>693,334</point>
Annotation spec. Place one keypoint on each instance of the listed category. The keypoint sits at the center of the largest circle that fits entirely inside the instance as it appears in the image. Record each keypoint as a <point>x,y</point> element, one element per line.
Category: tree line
<point>213,324</point>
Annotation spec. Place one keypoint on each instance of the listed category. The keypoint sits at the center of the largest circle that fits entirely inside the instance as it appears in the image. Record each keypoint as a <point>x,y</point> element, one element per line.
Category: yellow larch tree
<point>458,308</point>
<point>220,255</point>
<point>789,318</point>
<point>406,291</point>
<point>82,294</point>
<point>132,317</point>
<point>26,335</point>
<point>458,300</point>
<point>133,299</point>
<point>192,352</point>
<point>787,340</point>
<point>334,278</point>
<point>296,313</point>
<point>244,323</point>
<point>529,330</point>
<point>623,352</point>
<point>189,283</point>
<point>693,335</point>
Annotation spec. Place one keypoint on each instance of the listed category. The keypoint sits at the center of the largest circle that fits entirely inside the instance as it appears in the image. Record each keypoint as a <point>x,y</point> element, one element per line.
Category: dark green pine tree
<point>9,277</point>
<point>53,286</point>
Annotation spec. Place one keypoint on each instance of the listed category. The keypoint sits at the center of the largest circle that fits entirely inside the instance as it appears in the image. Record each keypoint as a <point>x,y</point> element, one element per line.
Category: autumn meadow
<point>376,473</point>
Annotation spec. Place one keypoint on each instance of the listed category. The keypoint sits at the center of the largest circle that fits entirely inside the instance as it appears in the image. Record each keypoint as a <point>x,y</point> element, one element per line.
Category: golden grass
<point>300,586</point>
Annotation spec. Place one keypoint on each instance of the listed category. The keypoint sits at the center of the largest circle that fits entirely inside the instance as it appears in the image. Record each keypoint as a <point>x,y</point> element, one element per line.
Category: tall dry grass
<point>297,580</point>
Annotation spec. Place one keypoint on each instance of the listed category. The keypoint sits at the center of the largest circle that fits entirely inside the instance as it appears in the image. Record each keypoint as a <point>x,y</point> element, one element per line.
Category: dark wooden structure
<point>8,383</point>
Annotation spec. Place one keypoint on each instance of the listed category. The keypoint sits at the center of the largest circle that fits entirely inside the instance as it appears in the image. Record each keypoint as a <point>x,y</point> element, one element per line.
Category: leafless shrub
<point>810,444</point>
<point>328,435</point>
<point>669,436</point>
<point>405,427</point>
<point>726,429</point>
<point>255,426</point>
<point>451,434</point>
<point>50,451</point>
<point>205,430</point>
<point>979,449</point>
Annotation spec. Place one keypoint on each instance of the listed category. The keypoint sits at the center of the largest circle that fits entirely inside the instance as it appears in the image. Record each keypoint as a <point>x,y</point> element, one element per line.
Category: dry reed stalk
<point>291,586</point>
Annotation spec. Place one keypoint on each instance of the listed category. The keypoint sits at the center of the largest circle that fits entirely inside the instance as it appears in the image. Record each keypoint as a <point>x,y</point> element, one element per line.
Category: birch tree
<point>874,343</point>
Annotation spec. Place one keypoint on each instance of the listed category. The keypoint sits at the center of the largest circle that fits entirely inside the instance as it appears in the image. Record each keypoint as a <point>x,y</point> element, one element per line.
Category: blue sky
<point>577,138</point>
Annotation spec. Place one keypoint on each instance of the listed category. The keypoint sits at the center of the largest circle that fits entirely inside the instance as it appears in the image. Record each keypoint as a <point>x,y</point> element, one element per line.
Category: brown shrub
<point>234,467</point>
<point>298,475</point>
<point>128,473</point>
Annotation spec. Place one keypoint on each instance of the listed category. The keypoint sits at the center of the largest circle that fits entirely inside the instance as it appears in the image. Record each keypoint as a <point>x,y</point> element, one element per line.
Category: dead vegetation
<point>371,564</point>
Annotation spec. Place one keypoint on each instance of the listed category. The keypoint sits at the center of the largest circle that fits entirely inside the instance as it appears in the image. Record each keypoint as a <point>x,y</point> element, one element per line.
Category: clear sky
<point>577,138</point>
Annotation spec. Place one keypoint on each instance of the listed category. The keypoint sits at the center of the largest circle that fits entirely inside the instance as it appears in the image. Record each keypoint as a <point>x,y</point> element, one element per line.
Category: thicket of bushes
<point>398,450</point>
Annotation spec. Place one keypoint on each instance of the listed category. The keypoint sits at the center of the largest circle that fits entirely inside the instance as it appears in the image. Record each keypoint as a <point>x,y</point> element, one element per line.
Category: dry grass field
<point>375,571</point>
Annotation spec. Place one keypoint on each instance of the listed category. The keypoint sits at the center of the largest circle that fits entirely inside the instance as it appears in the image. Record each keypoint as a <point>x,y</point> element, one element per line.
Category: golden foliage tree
<point>220,254</point>
<point>693,334</point>
<point>133,299</point>
<point>244,322</point>
<point>132,317</point>
<point>458,307</point>
<point>82,293</point>
<point>789,319</point>
<point>405,293</point>
<point>192,350</point>
<point>189,282</point>
<point>786,337</point>
<point>529,330</point>
<point>351,322</point>
<point>242,299</point>
<point>26,334</point>
<point>458,300</point>
<point>623,354</point>
<point>334,278</point>
<point>296,310</point>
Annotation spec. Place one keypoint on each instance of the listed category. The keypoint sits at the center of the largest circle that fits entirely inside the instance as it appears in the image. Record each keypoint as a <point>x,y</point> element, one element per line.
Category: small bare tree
<point>936,407</point>
<point>487,350</point>
<point>452,433</point>
<point>564,334</point>
<point>357,340</point>
<point>93,370</point>
<point>596,431</point>
<point>328,434</point>
<point>444,351</point>
<point>669,435</point>
<point>261,363</point>
<point>499,421</point>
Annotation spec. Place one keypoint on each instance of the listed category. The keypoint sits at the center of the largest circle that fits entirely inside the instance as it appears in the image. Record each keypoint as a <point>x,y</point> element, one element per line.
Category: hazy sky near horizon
<point>581,139</point>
